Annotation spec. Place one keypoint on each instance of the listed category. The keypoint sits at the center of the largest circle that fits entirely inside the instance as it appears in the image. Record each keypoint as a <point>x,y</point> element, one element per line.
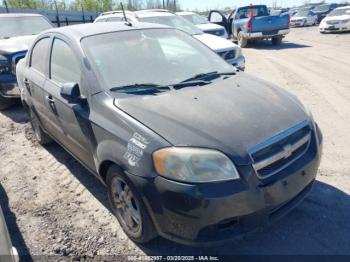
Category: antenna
<point>126,20</point>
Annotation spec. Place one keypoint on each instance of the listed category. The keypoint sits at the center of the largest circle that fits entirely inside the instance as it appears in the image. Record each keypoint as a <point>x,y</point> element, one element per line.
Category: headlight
<point>345,21</point>
<point>4,64</point>
<point>238,52</point>
<point>194,165</point>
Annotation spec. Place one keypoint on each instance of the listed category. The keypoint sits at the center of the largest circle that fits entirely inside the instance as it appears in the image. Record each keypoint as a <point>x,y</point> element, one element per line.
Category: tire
<point>276,40</point>
<point>5,102</point>
<point>128,207</point>
<point>40,135</point>
<point>242,42</point>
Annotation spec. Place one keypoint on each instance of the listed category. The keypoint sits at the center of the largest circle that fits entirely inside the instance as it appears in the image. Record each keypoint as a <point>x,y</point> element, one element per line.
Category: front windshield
<point>173,21</point>
<point>301,13</point>
<point>196,19</point>
<point>153,56</point>
<point>338,12</point>
<point>18,26</point>
<point>321,8</point>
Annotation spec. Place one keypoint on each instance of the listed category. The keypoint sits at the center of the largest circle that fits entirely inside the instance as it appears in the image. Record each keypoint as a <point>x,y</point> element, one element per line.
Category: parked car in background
<point>203,24</point>
<point>275,12</point>
<point>8,253</point>
<point>189,148</point>
<point>336,21</point>
<point>17,32</point>
<point>253,23</point>
<point>303,18</point>
<point>323,10</point>
<point>226,49</point>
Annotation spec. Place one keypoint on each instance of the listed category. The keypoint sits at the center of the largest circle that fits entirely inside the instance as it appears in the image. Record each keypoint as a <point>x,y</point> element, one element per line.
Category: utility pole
<point>57,16</point>
<point>7,8</point>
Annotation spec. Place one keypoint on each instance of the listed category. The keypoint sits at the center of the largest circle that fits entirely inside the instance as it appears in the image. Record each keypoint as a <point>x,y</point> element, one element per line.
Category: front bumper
<point>9,87</point>
<point>262,35</point>
<point>333,28</point>
<point>207,214</point>
<point>238,62</point>
<point>297,23</point>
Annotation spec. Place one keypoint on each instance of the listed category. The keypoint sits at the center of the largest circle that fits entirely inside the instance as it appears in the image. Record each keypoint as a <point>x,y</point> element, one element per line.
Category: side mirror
<point>71,92</point>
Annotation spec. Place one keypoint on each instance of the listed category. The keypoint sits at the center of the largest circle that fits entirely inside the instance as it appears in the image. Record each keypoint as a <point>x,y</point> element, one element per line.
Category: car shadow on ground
<point>16,113</point>
<point>15,233</point>
<point>319,225</point>
<point>266,44</point>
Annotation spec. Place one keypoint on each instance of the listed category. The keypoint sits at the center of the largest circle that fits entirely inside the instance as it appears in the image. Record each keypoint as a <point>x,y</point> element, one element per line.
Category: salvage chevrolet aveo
<point>189,148</point>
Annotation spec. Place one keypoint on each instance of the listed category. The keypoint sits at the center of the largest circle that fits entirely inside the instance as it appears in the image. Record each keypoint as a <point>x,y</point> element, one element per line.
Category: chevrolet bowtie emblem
<point>287,151</point>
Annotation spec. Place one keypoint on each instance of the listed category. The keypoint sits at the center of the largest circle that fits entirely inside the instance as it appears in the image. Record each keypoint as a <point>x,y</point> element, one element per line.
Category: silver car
<point>8,253</point>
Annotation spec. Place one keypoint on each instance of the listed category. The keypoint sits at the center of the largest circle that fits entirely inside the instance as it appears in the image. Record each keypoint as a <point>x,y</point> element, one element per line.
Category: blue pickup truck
<point>253,23</point>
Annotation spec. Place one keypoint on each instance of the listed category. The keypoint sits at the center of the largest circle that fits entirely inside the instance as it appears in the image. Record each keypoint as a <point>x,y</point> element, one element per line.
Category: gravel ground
<point>55,207</point>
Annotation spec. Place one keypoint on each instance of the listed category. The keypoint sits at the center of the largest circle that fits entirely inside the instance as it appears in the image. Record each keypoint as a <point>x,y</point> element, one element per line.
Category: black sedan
<point>189,148</point>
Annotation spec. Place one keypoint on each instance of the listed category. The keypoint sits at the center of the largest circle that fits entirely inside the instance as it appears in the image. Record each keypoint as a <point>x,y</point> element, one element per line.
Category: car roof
<point>84,30</point>
<point>186,13</point>
<point>20,15</point>
<point>344,7</point>
<point>153,13</point>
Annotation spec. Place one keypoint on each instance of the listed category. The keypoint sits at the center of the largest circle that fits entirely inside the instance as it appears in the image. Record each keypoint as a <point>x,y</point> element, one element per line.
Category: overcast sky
<point>212,4</point>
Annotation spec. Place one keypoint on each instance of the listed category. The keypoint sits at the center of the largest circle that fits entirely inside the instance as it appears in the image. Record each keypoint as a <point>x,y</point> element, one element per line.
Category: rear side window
<point>64,65</point>
<point>38,60</point>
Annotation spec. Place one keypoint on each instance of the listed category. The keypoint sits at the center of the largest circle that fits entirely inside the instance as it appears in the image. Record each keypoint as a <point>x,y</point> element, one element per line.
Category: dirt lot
<point>54,206</point>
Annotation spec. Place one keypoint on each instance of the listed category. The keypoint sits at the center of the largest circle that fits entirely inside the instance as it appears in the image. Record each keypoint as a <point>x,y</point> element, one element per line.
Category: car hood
<point>297,18</point>
<point>336,18</point>
<point>229,115</point>
<point>16,44</point>
<point>209,27</point>
<point>216,43</point>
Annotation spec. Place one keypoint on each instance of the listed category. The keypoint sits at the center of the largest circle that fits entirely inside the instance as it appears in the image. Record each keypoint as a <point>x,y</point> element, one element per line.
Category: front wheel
<point>242,41</point>
<point>128,207</point>
<point>277,40</point>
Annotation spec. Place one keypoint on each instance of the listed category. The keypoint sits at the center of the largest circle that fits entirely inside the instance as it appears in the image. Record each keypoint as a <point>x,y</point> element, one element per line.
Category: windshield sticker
<point>136,145</point>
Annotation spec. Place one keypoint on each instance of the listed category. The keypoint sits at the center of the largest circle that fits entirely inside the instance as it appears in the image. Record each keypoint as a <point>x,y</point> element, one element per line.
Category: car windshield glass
<point>338,12</point>
<point>196,19</point>
<point>301,13</point>
<point>17,26</point>
<point>158,57</point>
<point>321,8</point>
<point>173,21</point>
<point>254,11</point>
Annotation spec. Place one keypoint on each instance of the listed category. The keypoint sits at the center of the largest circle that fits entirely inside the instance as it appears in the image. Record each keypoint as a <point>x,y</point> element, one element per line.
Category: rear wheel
<point>277,40</point>
<point>6,102</point>
<point>242,41</point>
<point>39,133</point>
<point>128,207</point>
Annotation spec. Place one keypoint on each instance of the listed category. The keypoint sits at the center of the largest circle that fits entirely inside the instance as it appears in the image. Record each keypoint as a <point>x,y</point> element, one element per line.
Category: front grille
<point>228,55</point>
<point>219,32</point>
<point>277,153</point>
<point>332,22</point>
<point>15,60</point>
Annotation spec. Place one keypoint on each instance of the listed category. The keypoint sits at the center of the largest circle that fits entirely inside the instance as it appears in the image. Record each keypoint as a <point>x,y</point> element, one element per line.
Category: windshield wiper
<point>139,87</point>
<point>214,74</point>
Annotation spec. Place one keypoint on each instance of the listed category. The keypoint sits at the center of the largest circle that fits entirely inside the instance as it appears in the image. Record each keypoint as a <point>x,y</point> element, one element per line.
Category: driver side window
<point>64,66</point>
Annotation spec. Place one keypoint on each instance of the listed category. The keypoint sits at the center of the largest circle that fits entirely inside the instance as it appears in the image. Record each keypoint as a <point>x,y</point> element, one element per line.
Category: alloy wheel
<point>126,206</point>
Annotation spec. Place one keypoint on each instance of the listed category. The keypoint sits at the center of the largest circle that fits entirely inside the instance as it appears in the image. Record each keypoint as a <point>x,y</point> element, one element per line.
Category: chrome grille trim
<point>286,152</point>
